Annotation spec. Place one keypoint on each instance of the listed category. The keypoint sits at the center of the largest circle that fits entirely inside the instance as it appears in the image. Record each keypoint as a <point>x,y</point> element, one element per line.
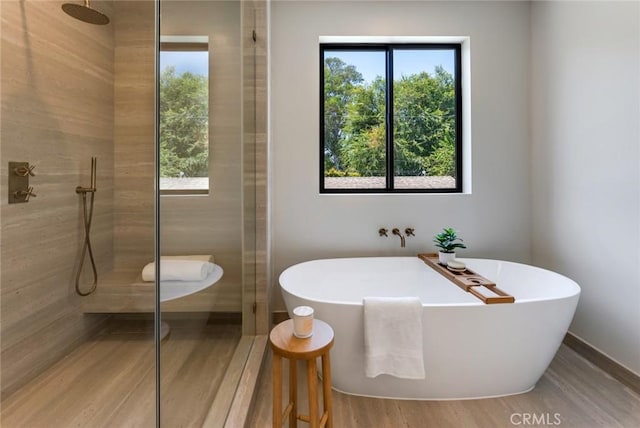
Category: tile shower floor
<point>109,381</point>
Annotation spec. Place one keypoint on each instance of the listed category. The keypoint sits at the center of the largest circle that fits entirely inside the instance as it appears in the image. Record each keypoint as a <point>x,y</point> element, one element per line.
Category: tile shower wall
<point>134,111</point>
<point>190,224</point>
<point>208,224</point>
<point>211,224</point>
<point>57,112</point>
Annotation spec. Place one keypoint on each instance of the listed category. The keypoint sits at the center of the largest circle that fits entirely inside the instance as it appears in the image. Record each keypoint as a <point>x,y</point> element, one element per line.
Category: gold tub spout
<point>396,231</point>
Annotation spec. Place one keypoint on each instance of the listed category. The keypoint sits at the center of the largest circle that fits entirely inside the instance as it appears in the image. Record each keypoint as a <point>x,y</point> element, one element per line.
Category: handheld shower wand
<point>88,215</point>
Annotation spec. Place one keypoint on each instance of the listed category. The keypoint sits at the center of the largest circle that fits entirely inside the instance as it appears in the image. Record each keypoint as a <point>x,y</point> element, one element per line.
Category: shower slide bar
<point>87,216</point>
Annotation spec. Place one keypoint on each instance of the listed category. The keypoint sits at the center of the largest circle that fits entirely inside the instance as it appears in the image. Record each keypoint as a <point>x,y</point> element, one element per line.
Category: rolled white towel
<point>178,270</point>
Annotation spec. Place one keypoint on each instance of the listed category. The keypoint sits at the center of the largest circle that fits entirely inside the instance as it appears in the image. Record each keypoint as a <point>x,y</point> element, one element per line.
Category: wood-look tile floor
<point>109,381</point>
<point>572,393</point>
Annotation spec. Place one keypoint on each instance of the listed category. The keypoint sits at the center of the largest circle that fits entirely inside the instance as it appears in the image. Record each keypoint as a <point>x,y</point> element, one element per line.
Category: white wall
<point>494,220</point>
<point>585,163</point>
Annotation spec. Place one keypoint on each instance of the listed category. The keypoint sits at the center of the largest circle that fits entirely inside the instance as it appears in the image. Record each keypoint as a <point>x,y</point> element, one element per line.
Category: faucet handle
<point>383,232</point>
<point>25,194</point>
<point>25,170</point>
<point>409,231</point>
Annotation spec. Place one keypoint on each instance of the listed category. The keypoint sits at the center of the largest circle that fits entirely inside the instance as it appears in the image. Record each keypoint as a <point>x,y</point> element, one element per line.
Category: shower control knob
<point>409,231</point>
<point>24,171</point>
<point>383,232</point>
<point>26,194</point>
<point>29,193</point>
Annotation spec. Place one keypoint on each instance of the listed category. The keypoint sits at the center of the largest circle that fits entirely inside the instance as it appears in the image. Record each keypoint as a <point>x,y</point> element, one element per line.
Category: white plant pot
<point>444,258</point>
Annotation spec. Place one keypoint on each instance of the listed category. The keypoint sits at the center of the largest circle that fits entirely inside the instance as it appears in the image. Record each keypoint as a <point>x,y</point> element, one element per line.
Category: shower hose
<point>87,245</point>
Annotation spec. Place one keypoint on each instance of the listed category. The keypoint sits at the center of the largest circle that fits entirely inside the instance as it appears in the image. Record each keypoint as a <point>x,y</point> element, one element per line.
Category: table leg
<point>277,391</point>
<point>293,393</point>
<point>312,380</point>
<point>326,388</point>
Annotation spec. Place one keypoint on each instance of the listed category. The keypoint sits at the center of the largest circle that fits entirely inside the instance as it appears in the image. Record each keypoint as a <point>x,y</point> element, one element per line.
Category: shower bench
<point>124,291</point>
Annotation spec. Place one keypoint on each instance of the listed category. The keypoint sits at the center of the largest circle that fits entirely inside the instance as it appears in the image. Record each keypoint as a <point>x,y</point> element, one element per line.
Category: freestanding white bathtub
<point>471,349</point>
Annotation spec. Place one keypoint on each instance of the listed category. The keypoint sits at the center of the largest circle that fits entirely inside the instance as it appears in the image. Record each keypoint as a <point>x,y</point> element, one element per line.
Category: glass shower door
<point>204,209</point>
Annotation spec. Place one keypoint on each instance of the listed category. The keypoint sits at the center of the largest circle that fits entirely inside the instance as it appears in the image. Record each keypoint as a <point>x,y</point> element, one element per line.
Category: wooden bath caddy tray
<point>469,281</point>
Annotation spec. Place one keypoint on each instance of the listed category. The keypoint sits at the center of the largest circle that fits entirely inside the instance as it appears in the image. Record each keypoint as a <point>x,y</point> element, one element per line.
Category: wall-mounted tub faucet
<point>396,231</point>
<point>409,231</point>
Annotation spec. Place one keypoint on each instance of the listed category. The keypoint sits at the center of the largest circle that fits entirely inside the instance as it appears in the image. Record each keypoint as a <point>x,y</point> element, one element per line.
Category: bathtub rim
<point>576,290</point>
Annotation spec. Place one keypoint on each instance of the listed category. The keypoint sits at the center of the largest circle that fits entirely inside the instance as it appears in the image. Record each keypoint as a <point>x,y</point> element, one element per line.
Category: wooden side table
<point>285,345</point>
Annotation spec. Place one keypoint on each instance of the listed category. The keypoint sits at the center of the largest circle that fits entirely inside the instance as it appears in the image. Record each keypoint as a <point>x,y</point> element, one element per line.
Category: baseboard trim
<point>600,360</point>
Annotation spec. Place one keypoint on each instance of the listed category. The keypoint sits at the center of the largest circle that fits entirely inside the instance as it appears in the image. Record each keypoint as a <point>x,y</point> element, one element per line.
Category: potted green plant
<point>447,241</point>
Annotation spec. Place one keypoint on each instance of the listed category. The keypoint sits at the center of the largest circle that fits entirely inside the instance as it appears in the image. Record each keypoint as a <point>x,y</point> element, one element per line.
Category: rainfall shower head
<point>85,13</point>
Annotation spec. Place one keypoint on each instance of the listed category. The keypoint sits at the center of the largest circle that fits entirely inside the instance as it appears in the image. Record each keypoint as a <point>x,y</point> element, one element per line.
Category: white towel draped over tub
<point>180,268</point>
<point>393,337</point>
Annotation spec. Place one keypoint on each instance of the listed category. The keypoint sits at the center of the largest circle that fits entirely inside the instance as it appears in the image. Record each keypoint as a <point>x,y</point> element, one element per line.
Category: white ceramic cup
<point>303,321</point>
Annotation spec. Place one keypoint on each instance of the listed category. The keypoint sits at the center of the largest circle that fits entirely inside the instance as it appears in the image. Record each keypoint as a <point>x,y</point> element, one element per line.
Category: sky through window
<point>369,63</point>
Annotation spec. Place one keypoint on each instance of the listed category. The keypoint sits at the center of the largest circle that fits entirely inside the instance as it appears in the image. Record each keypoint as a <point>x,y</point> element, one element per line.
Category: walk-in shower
<point>85,13</point>
<point>80,325</point>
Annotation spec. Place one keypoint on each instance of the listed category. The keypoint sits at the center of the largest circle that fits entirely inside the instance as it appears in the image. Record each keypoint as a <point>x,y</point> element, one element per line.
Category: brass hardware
<point>409,231</point>
<point>81,189</point>
<point>92,189</point>
<point>25,194</point>
<point>383,232</point>
<point>85,13</point>
<point>396,231</point>
<point>19,189</point>
<point>25,170</point>
<point>87,216</point>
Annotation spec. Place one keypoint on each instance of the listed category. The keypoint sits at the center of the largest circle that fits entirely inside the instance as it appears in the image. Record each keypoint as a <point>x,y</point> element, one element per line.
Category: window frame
<point>388,49</point>
<point>185,44</point>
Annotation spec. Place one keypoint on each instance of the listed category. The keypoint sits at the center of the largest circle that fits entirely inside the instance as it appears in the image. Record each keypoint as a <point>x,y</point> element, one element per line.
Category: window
<point>390,118</point>
<point>184,115</point>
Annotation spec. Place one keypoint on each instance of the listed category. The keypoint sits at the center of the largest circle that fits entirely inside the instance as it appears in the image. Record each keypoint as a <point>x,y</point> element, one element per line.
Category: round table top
<point>284,343</point>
